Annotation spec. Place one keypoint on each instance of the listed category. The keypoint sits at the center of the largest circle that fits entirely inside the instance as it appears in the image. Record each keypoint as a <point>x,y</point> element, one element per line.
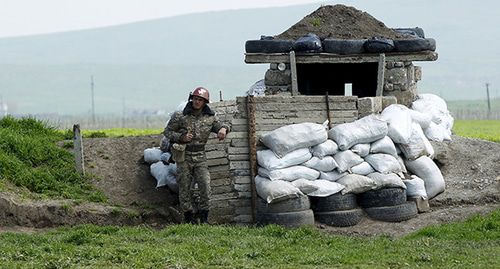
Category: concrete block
<point>369,105</point>
<point>277,77</point>
<point>243,187</point>
<point>396,76</point>
<point>422,204</point>
<point>418,73</point>
<point>388,100</point>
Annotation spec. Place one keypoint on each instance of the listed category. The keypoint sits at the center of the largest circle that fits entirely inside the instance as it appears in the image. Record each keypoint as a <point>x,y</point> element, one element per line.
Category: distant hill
<point>153,64</point>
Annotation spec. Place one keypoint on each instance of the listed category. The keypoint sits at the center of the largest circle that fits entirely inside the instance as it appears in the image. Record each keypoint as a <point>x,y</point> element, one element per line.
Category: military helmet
<point>201,92</point>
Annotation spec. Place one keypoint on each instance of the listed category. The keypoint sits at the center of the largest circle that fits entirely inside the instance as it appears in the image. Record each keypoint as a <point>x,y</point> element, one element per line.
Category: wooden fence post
<point>78,149</point>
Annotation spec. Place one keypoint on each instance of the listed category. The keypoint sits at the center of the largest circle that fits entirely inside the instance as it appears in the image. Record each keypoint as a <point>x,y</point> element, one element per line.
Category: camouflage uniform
<point>194,168</point>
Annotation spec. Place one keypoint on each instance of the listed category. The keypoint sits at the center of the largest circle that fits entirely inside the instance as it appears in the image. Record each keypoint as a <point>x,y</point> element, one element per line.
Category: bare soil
<point>341,22</point>
<point>471,168</point>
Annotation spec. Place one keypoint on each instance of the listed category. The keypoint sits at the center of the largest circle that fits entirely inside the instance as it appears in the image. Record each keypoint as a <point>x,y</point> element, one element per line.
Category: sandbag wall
<point>228,161</point>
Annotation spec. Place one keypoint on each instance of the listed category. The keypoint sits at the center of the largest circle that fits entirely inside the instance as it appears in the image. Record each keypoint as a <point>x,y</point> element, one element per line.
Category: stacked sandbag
<point>434,118</point>
<point>161,169</point>
<point>354,167</point>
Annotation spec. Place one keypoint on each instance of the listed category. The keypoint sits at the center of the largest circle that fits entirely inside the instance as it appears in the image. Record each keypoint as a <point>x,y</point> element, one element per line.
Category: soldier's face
<point>198,102</point>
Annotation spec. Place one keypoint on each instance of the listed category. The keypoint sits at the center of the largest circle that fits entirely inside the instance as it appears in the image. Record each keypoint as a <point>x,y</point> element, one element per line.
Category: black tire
<point>340,218</point>
<point>382,197</point>
<point>379,45</point>
<point>290,205</point>
<point>395,213</point>
<point>344,46</point>
<point>268,46</point>
<point>416,32</point>
<point>417,44</point>
<point>287,219</point>
<point>334,202</point>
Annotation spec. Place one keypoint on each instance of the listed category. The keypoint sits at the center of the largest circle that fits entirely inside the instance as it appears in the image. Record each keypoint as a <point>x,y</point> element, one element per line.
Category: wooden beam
<point>78,149</point>
<point>293,68</point>
<point>380,75</point>
<point>252,146</point>
<point>260,58</point>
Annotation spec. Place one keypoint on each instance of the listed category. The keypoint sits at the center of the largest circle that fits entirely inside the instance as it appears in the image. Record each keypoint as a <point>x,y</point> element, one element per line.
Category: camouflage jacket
<point>200,125</point>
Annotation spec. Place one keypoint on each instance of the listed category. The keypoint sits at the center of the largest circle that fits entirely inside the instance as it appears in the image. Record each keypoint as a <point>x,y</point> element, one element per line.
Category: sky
<point>30,17</point>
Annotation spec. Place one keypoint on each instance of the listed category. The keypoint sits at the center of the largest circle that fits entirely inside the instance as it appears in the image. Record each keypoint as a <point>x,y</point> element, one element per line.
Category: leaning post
<point>78,149</point>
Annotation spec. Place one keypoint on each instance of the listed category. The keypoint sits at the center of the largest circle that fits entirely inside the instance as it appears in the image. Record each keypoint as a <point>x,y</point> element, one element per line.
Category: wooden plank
<point>304,99</point>
<point>259,58</point>
<point>380,75</point>
<point>239,157</point>
<point>293,68</point>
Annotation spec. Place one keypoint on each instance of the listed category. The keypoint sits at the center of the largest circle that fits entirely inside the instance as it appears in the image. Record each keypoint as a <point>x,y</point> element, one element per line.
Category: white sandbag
<point>361,149</point>
<point>165,157</point>
<point>428,146</point>
<point>332,176</point>
<point>420,118</point>
<point>275,191</point>
<point>329,147</point>
<point>428,171</point>
<point>295,136</point>
<point>384,163</point>
<point>401,163</point>
<point>384,145</point>
<point>386,181</point>
<point>399,122</point>
<point>269,160</point>
<point>165,175</point>
<point>293,172</point>
<point>346,159</point>
<point>326,164</point>
<point>306,186</point>
<point>364,130</point>
<point>152,155</point>
<point>435,106</point>
<point>363,169</point>
<point>356,183</point>
<point>416,146</point>
<point>415,187</point>
<point>325,188</point>
<point>437,133</point>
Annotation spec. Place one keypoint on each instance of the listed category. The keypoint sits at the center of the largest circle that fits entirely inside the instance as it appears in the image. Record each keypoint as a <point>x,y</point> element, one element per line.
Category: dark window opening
<point>317,79</point>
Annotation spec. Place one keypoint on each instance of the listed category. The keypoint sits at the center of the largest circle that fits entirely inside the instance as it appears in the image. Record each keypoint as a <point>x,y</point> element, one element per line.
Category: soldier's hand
<point>222,134</point>
<point>186,138</point>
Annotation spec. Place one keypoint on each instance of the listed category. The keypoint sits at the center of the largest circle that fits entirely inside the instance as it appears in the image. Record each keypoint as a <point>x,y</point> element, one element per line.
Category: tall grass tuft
<point>30,158</point>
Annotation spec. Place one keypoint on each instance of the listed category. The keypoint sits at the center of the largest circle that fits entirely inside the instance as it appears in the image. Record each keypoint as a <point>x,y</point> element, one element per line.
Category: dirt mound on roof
<point>341,22</point>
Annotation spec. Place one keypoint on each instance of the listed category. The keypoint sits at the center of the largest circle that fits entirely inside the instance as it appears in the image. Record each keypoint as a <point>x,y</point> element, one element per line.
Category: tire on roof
<point>344,46</point>
<point>413,45</point>
<point>268,46</point>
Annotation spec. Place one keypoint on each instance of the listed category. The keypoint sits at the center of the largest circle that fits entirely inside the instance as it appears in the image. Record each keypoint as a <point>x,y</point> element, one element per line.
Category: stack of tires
<point>388,204</point>
<point>294,212</point>
<point>337,210</point>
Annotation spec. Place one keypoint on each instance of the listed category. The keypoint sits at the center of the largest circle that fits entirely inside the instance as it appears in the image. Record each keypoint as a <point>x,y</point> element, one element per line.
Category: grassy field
<point>474,243</point>
<point>31,160</point>
<point>482,129</point>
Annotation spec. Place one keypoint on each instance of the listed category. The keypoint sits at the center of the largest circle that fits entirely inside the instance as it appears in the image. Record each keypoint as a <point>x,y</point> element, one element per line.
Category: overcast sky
<point>28,17</point>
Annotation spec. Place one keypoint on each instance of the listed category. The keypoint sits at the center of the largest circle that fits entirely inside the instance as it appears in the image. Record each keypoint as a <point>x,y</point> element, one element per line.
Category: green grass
<point>30,159</point>
<point>474,243</point>
<point>482,129</point>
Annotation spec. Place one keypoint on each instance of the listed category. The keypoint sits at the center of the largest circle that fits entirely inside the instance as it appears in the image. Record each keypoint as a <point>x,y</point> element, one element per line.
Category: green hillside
<point>153,64</point>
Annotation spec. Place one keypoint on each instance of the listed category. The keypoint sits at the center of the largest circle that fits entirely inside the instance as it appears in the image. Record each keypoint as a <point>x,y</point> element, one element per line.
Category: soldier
<point>188,132</point>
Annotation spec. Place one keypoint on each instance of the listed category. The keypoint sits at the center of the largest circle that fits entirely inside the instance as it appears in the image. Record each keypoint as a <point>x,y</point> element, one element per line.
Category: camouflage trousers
<point>193,170</point>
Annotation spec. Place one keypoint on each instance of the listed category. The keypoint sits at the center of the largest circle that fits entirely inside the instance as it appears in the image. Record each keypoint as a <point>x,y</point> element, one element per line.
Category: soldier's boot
<point>189,217</point>
<point>203,216</point>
